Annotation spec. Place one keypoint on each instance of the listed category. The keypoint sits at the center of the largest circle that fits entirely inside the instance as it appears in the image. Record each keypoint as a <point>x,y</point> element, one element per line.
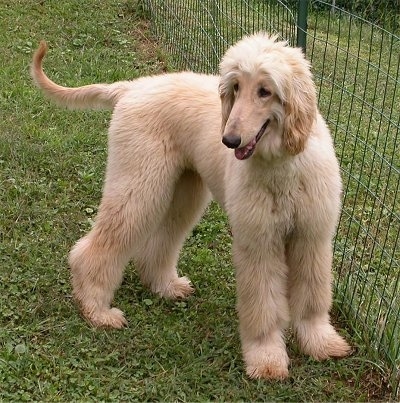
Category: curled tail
<point>86,97</point>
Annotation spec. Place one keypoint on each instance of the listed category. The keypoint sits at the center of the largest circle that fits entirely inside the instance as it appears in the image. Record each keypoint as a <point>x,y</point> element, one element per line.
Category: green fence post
<point>302,10</point>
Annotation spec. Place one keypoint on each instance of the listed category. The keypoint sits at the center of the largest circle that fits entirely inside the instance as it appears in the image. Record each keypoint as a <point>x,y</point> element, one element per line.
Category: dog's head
<point>268,98</point>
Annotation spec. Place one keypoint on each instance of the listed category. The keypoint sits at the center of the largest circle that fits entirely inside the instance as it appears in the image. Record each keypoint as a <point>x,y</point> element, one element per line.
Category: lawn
<point>52,165</point>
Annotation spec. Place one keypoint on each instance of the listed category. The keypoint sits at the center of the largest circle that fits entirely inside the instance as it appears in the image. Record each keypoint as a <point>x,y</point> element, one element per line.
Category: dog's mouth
<point>247,151</point>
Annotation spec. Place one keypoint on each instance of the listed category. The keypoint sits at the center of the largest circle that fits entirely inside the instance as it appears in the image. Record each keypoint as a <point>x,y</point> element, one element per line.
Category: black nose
<point>231,140</point>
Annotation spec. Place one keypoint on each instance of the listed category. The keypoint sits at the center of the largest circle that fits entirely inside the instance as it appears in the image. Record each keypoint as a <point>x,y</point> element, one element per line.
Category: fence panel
<point>196,33</point>
<point>356,65</point>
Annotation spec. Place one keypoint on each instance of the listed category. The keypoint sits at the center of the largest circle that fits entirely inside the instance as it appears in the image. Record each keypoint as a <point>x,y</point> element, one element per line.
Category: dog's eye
<point>236,87</point>
<point>263,93</point>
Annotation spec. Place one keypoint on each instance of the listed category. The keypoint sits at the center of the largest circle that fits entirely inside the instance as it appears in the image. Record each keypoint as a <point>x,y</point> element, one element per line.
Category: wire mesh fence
<point>356,65</point>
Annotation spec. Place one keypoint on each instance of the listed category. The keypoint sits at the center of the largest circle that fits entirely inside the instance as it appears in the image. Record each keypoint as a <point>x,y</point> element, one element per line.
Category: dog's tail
<point>91,96</point>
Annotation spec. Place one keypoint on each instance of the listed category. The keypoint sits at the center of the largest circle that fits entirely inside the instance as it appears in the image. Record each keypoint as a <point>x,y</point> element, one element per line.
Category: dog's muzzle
<point>242,153</point>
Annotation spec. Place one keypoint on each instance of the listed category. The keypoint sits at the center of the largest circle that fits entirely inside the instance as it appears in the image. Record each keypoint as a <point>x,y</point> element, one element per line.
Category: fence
<point>356,66</point>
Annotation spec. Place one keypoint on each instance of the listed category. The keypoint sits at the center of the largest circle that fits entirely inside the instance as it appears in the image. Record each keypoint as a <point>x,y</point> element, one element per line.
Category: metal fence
<point>356,65</point>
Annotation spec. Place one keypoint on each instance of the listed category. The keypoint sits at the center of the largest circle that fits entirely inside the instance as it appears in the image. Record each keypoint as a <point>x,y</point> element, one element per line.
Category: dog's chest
<point>282,189</point>
<point>278,201</point>
<point>265,203</point>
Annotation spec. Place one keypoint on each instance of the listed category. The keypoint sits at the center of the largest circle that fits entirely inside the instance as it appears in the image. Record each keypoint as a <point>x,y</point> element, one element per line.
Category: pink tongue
<point>246,151</point>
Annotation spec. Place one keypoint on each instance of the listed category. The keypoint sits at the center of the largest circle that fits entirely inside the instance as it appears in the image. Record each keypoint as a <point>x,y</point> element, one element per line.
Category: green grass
<point>51,171</point>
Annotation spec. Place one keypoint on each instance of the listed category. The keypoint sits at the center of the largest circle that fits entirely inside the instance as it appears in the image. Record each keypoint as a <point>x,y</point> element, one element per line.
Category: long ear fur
<point>300,109</point>
<point>226,105</point>
<point>227,99</point>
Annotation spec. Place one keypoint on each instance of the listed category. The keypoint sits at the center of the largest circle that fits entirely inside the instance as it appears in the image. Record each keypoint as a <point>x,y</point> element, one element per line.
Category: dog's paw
<point>267,363</point>
<point>180,287</point>
<point>270,370</point>
<point>113,318</point>
<point>323,342</point>
<point>329,346</point>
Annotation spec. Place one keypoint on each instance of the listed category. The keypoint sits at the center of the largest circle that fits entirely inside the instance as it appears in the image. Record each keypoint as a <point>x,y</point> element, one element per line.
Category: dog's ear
<point>300,111</point>
<point>227,100</point>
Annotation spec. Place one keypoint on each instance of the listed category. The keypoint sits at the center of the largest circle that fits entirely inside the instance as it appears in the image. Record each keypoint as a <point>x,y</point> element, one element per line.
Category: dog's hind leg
<point>310,292</point>
<point>157,258</point>
<point>132,207</point>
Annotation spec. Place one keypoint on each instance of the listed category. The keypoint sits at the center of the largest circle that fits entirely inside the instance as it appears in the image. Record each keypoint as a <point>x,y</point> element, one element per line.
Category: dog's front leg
<point>310,296</point>
<point>262,307</point>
